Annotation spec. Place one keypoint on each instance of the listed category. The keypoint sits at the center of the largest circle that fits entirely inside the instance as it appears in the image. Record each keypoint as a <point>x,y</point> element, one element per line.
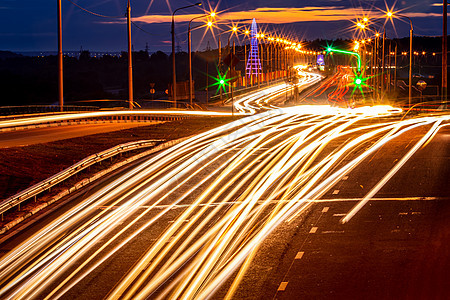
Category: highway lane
<point>397,247</point>
<point>185,220</point>
<point>49,134</point>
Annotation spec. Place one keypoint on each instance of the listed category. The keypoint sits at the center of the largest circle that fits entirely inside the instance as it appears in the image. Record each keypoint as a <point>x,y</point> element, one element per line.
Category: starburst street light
<point>174,77</point>
<point>208,24</point>
<point>358,57</point>
<point>391,15</point>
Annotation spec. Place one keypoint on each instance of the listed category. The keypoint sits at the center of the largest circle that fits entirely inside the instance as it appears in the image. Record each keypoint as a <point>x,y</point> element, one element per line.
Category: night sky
<point>30,25</point>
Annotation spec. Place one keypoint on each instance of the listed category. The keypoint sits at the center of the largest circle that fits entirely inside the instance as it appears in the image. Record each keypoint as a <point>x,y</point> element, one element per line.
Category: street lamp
<point>60,60</point>
<point>130,60</point>
<point>174,75</point>
<point>219,64</point>
<point>378,81</point>
<point>390,14</point>
<point>209,24</point>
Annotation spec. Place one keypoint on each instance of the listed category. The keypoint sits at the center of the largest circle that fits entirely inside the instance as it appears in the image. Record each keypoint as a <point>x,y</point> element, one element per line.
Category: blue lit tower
<point>253,62</point>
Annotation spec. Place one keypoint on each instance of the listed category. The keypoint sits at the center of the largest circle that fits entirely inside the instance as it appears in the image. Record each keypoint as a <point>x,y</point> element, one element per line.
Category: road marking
<point>313,230</point>
<point>325,209</point>
<point>332,231</point>
<point>299,255</point>
<point>411,212</point>
<point>339,215</point>
<point>345,178</point>
<point>384,199</point>
<point>282,286</point>
<point>335,192</point>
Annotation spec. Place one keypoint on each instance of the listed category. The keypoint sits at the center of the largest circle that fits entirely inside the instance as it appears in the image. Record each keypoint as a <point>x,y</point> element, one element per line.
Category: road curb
<point>82,183</point>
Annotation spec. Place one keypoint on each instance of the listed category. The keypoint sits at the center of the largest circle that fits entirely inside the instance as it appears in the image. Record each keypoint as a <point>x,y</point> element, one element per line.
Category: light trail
<point>249,104</point>
<point>230,187</point>
<point>99,114</point>
<point>260,100</point>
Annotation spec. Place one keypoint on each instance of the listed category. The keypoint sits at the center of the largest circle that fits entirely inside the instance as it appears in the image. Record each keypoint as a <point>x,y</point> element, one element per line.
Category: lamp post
<point>389,15</point>
<point>60,60</point>
<point>444,52</point>
<point>410,59</point>
<point>378,80</point>
<point>190,54</point>
<point>130,60</point>
<point>219,63</point>
<point>247,33</point>
<point>174,75</point>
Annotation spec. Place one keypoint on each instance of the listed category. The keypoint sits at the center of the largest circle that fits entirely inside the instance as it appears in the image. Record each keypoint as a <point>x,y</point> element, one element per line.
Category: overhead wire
<point>94,13</point>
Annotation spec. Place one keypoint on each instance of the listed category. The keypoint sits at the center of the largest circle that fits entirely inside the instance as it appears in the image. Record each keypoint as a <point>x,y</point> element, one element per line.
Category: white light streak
<point>235,184</point>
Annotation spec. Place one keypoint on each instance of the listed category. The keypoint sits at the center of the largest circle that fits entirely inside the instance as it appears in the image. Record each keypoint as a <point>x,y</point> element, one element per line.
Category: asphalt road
<point>396,247</point>
<point>49,134</point>
<point>181,220</point>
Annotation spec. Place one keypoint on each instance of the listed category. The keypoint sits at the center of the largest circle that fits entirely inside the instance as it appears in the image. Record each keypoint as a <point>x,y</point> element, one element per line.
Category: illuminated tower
<point>253,62</point>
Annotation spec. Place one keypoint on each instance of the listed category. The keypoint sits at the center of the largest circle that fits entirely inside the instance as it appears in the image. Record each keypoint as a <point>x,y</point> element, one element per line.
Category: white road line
<point>384,199</point>
<point>339,215</point>
<point>345,178</point>
<point>299,255</point>
<point>333,231</point>
<point>325,209</point>
<point>335,192</point>
<point>282,286</point>
<point>313,230</point>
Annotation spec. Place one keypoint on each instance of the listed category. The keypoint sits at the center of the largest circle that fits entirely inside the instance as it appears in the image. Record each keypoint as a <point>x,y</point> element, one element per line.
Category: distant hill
<point>8,54</point>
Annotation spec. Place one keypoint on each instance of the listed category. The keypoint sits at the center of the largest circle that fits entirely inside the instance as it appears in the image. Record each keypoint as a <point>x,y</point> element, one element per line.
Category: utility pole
<point>130,60</point>
<point>60,60</point>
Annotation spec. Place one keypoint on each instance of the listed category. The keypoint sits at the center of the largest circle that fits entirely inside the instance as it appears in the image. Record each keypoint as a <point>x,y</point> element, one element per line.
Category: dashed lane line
<point>339,215</point>
<point>299,255</point>
<point>288,200</point>
<point>282,286</point>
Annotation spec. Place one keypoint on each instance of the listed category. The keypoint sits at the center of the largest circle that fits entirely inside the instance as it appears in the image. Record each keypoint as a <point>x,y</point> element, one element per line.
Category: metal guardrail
<point>46,184</point>
<point>91,118</point>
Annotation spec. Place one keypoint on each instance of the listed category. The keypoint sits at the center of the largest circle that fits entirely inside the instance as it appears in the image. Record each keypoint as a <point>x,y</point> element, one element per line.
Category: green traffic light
<point>358,81</point>
<point>330,49</point>
<point>221,81</point>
